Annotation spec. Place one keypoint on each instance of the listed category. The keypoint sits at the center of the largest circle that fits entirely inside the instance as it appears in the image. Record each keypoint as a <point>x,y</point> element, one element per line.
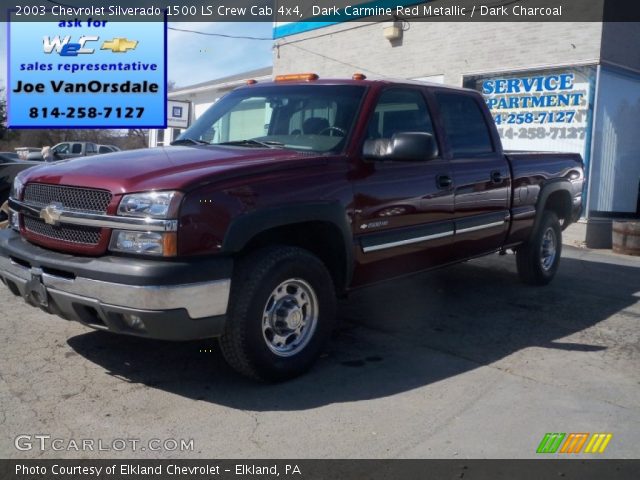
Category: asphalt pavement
<point>464,362</point>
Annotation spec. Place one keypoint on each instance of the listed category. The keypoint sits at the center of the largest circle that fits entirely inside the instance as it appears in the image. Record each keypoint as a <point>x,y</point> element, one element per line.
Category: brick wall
<point>449,49</point>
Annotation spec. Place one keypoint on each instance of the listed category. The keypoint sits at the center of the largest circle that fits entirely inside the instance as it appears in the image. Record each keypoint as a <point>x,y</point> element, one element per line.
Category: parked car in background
<point>10,166</point>
<point>108,149</point>
<point>24,152</point>
<point>65,150</point>
<point>8,157</point>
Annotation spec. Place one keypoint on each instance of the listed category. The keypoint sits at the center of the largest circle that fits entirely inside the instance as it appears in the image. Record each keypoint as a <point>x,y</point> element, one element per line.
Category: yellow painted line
<point>590,445</point>
<point>596,446</point>
<point>605,443</point>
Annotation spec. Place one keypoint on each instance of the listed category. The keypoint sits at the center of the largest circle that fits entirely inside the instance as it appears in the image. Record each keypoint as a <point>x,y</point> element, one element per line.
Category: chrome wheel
<point>548,249</point>
<point>290,317</point>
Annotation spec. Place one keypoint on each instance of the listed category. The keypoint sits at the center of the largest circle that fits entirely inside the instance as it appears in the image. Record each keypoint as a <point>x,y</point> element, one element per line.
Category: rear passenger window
<point>464,124</point>
<point>77,148</point>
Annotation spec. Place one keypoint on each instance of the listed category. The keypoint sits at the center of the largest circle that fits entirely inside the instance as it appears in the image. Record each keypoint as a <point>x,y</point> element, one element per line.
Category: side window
<point>76,148</point>
<point>62,148</point>
<point>464,124</point>
<point>400,110</point>
<point>104,149</point>
<point>91,148</point>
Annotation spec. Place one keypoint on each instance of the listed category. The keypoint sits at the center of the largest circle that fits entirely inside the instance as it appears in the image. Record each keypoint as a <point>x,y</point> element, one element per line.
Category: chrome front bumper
<point>155,299</point>
<point>204,299</point>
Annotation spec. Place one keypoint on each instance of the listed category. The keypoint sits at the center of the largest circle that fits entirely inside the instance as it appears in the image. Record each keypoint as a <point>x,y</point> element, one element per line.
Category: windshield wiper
<point>191,141</point>
<point>253,143</point>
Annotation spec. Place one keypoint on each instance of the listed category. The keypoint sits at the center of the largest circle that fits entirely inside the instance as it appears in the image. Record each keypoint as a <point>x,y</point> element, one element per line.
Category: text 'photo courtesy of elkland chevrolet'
<point>280,198</point>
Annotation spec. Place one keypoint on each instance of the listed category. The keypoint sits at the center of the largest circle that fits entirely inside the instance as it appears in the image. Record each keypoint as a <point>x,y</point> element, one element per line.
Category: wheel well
<point>323,239</point>
<point>559,202</point>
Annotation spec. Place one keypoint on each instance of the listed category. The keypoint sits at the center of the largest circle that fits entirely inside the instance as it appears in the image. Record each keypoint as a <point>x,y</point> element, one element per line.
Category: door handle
<point>444,181</point>
<point>496,177</point>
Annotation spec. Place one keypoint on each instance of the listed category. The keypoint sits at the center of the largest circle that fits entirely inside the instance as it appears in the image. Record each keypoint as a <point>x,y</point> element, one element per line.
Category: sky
<point>193,58</point>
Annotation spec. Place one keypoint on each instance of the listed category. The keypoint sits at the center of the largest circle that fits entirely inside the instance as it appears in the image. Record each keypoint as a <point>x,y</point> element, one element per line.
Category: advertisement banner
<point>87,73</point>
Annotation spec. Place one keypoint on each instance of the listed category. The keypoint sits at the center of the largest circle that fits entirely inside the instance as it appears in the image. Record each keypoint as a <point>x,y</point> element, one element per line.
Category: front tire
<point>538,259</point>
<point>281,313</point>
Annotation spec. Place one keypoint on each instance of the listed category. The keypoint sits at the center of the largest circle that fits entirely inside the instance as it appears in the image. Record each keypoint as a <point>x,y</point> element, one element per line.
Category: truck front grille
<point>67,233</point>
<point>88,200</point>
<point>84,199</point>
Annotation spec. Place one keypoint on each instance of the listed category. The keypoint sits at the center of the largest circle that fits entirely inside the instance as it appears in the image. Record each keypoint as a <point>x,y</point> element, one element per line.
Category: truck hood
<point>166,168</point>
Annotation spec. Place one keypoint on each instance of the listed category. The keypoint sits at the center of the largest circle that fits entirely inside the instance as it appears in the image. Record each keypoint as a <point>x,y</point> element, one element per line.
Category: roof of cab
<point>349,81</point>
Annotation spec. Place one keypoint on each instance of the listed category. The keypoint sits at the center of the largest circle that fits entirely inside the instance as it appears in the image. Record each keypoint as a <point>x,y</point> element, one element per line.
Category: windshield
<point>316,118</point>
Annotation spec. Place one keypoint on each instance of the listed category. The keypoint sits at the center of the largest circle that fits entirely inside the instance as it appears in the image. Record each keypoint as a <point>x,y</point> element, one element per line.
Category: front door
<point>403,210</point>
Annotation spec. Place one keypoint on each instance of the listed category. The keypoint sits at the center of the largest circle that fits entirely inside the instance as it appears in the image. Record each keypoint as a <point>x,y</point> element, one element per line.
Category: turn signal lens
<point>169,244</point>
<point>251,81</point>
<point>359,76</point>
<point>297,77</point>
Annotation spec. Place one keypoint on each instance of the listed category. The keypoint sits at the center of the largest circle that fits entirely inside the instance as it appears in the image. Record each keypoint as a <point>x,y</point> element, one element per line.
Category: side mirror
<point>408,146</point>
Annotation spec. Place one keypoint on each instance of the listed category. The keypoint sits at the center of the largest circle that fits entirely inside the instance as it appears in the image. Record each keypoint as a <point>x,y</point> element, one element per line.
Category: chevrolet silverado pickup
<point>280,198</point>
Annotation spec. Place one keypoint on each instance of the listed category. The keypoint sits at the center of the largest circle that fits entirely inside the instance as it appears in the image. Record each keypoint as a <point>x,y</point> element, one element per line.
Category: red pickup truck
<point>281,197</point>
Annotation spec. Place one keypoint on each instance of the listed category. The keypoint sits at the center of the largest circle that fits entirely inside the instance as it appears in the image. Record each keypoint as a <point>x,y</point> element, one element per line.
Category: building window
<point>615,171</point>
<point>159,138</point>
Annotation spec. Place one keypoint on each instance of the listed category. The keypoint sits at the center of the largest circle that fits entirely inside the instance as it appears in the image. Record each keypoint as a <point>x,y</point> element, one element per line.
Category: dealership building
<point>553,86</point>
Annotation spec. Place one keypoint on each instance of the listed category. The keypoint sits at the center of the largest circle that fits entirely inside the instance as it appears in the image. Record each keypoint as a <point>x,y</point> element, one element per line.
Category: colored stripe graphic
<point>550,443</point>
<point>598,443</point>
<point>574,442</point>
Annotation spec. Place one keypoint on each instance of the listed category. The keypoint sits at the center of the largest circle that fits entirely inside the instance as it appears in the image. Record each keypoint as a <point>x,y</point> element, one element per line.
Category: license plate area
<point>35,291</point>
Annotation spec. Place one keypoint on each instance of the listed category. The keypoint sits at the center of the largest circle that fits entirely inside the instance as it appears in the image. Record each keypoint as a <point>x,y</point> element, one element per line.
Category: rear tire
<point>281,313</point>
<point>538,259</point>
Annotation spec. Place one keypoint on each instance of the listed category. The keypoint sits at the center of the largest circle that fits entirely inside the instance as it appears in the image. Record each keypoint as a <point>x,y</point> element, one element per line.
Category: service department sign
<point>547,110</point>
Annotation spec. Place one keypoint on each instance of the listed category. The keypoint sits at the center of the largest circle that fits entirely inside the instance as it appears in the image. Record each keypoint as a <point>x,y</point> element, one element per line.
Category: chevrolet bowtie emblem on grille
<point>51,213</point>
<point>119,45</point>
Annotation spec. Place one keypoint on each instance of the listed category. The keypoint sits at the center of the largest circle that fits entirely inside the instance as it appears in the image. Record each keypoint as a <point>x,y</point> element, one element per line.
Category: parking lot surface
<point>464,362</point>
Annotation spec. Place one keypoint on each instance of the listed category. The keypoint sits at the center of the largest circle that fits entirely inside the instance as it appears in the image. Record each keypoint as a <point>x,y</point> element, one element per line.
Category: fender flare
<point>553,186</point>
<point>246,227</point>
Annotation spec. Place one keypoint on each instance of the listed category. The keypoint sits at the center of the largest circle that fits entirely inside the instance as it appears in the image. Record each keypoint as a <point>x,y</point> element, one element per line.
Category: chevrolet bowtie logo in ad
<point>573,443</point>
<point>119,45</point>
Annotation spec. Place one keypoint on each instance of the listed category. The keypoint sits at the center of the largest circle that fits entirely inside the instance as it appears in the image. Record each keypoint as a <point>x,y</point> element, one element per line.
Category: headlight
<point>150,204</point>
<point>147,243</point>
<point>16,188</point>
<point>14,221</point>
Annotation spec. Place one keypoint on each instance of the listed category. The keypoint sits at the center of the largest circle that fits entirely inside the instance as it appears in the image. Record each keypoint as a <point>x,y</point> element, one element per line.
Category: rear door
<point>403,210</point>
<point>481,174</point>
<point>91,149</point>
